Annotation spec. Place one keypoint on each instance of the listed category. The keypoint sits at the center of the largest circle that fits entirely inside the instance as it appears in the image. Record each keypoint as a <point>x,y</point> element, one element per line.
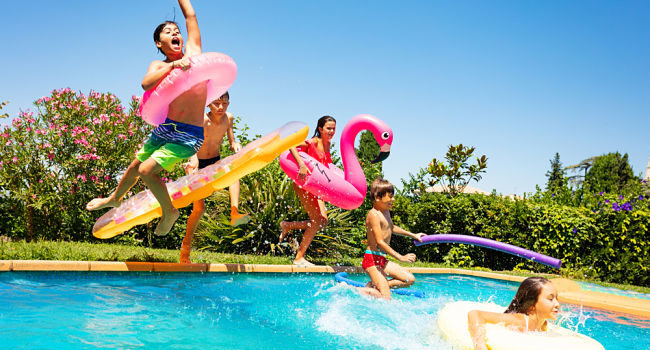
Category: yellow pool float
<point>452,321</point>
<point>143,207</point>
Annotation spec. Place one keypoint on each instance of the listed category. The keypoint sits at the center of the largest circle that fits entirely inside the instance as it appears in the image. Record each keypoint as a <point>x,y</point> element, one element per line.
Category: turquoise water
<point>76,310</point>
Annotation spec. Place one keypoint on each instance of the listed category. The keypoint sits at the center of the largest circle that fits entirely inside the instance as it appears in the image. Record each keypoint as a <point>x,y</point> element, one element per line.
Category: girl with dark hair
<point>534,304</point>
<point>319,148</point>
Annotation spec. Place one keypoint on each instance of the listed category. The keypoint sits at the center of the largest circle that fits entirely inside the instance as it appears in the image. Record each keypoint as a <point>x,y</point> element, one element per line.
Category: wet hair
<point>321,123</point>
<point>159,29</point>
<point>225,96</point>
<point>380,187</point>
<point>527,295</point>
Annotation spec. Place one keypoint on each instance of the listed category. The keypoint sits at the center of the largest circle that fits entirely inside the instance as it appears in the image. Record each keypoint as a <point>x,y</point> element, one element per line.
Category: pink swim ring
<point>219,70</point>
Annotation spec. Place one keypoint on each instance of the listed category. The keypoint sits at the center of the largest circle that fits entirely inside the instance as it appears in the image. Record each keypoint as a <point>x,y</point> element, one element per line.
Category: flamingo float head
<point>382,132</point>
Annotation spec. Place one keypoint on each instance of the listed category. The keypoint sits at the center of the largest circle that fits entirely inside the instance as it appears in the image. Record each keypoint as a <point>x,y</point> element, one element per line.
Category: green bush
<point>609,244</point>
<point>268,196</point>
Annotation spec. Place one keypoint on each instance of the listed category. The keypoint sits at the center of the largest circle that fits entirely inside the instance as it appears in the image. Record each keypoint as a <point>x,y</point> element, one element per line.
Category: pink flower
<point>106,177</point>
<point>15,159</point>
<point>34,196</point>
<point>51,156</point>
<point>40,181</point>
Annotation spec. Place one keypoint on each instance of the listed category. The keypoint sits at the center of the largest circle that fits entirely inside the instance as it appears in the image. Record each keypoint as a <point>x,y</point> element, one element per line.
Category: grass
<point>80,251</point>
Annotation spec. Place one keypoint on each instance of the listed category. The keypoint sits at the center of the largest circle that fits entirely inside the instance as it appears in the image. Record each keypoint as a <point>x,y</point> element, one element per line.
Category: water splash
<point>400,323</point>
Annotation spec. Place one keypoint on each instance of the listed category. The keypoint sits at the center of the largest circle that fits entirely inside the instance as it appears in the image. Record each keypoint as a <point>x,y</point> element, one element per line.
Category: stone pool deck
<point>569,291</point>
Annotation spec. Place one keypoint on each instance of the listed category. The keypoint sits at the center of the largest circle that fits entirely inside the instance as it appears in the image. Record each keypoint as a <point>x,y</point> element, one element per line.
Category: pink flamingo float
<point>346,190</point>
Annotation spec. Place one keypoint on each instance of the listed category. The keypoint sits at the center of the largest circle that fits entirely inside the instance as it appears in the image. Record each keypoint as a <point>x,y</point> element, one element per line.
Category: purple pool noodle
<point>491,244</point>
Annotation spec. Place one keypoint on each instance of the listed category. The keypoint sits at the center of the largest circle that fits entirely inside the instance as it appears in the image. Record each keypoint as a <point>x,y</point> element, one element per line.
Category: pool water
<point>77,310</point>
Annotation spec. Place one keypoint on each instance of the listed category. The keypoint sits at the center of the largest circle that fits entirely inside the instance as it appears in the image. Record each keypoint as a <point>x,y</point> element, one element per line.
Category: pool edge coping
<point>569,291</point>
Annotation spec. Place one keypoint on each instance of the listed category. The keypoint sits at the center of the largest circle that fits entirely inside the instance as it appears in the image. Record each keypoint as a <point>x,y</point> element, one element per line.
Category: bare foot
<point>237,219</point>
<point>166,222</point>
<point>303,263</point>
<point>100,203</point>
<point>284,231</point>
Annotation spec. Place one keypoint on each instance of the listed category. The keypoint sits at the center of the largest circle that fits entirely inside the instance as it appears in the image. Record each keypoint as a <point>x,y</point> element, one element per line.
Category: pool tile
<point>108,266</point>
<point>174,267</point>
<point>47,265</point>
<point>6,265</point>
<point>272,268</point>
<point>139,266</point>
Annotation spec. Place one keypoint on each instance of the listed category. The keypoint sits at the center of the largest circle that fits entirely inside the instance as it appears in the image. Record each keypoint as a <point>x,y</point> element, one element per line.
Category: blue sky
<point>519,80</point>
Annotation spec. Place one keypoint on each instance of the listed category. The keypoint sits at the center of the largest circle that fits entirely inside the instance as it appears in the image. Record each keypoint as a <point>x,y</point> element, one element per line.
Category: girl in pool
<point>534,304</point>
<point>319,148</point>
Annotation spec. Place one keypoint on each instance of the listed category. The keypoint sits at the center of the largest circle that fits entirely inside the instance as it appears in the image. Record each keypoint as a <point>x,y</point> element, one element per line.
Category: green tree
<point>457,173</point>
<point>581,170</point>
<point>610,173</point>
<point>556,176</point>
<point>366,153</point>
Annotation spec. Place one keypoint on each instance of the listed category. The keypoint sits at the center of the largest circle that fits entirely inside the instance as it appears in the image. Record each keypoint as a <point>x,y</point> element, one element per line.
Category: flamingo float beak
<point>385,152</point>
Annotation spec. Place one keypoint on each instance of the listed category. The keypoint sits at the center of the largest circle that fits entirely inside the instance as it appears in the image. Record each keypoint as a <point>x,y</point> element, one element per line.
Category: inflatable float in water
<point>143,207</point>
<point>342,277</point>
<point>452,321</point>
<point>217,69</point>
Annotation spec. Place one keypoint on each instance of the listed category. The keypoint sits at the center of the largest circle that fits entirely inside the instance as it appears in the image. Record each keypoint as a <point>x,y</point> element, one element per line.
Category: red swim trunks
<point>371,258</point>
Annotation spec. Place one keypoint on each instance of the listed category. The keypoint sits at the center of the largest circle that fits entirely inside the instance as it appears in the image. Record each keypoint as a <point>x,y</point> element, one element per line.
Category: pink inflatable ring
<point>218,69</point>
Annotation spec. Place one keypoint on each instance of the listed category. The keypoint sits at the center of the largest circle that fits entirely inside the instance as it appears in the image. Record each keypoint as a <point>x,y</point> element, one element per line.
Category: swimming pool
<point>81,310</point>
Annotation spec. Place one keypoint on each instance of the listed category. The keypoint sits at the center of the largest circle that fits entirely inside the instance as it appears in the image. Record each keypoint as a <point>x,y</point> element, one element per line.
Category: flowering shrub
<point>55,159</point>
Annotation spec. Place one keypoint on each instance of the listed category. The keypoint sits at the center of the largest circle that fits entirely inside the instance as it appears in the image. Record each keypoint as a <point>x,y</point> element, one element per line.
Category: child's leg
<point>149,171</point>
<point>127,181</point>
<point>287,226</point>
<point>233,190</point>
<point>317,221</point>
<point>198,208</point>
<point>401,278</point>
<point>379,280</point>
<point>236,218</point>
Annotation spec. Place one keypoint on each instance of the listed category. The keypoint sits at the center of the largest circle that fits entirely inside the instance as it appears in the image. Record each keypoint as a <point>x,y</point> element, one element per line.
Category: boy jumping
<point>379,229</point>
<point>216,125</point>
<point>181,135</point>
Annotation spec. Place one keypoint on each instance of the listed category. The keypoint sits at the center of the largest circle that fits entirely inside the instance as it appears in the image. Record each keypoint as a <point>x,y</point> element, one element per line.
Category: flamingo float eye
<point>385,135</point>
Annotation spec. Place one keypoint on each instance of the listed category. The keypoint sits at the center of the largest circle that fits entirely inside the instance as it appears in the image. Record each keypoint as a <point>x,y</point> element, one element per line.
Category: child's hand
<point>409,258</point>
<point>419,236</point>
<point>236,147</point>
<point>183,63</point>
<point>303,172</point>
<point>189,167</point>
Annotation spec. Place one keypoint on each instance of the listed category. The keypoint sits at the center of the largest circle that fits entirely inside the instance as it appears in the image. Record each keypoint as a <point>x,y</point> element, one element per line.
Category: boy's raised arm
<point>193,46</point>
